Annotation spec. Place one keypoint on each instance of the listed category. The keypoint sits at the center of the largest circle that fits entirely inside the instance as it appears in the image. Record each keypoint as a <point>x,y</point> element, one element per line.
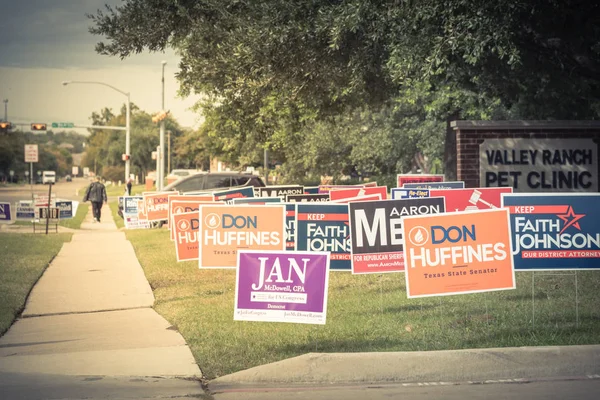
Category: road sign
<point>31,153</point>
<point>63,125</point>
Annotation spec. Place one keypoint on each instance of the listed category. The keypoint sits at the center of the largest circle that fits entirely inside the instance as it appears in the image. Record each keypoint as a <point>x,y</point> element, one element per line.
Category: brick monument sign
<point>530,156</point>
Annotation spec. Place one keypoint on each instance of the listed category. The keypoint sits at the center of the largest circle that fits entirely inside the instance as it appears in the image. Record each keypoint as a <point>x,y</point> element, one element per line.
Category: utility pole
<point>168,152</point>
<point>161,169</point>
<point>6,110</point>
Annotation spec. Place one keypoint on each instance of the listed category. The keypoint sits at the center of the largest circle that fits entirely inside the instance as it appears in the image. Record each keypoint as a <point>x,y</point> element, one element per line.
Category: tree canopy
<point>275,73</point>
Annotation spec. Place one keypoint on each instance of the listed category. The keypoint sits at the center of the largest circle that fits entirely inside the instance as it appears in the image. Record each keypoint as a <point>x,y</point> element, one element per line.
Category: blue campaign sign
<point>435,185</point>
<point>228,195</point>
<point>130,204</point>
<point>402,193</point>
<point>65,209</point>
<point>6,214</point>
<point>290,226</point>
<point>325,227</point>
<point>554,231</point>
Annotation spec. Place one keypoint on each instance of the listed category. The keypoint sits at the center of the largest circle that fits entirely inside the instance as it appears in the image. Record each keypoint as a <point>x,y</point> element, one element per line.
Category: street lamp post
<point>127,121</point>
<point>161,168</point>
<point>6,110</point>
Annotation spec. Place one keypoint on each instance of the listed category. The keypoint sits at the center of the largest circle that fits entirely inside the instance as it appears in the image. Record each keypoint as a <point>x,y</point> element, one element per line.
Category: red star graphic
<point>570,218</point>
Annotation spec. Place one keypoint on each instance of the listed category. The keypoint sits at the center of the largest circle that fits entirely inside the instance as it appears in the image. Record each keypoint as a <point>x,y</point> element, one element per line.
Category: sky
<point>46,42</point>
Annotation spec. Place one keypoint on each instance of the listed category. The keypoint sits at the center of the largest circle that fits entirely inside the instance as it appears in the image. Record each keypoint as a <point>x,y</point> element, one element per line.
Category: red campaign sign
<point>417,178</point>
<point>369,197</point>
<point>471,199</point>
<point>338,194</point>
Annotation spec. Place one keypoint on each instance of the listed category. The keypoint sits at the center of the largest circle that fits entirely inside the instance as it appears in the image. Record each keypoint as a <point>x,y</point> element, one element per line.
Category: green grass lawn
<point>116,190</point>
<point>366,313</point>
<point>24,259</point>
<point>114,208</point>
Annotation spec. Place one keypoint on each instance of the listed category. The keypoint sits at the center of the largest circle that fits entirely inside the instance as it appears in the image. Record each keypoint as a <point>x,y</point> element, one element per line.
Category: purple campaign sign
<point>282,286</point>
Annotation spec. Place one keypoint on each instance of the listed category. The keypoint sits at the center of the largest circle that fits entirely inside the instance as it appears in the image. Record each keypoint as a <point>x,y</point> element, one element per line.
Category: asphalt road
<point>62,190</point>
<point>582,388</point>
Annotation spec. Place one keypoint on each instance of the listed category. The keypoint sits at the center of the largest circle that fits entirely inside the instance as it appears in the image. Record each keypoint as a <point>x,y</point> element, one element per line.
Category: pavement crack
<point>83,312</point>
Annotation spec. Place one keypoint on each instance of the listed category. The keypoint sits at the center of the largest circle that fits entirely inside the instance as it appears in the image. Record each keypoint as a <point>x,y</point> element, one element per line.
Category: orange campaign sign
<point>181,206</point>
<point>185,227</point>
<point>157,206</point>
<point>142,211</point>
<point>226,229</point>
<point>184,203</point>
<point>454,253</point>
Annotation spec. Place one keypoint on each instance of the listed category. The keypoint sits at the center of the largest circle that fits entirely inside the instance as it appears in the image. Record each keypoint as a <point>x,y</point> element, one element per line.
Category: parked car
<point>214,180</point>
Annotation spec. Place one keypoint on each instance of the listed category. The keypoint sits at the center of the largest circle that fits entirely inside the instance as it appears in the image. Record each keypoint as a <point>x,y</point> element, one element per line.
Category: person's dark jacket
<point>95,192</point>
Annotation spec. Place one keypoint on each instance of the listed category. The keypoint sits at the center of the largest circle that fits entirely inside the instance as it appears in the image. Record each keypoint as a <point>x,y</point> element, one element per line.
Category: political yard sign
<point>185,228</point>
<point>324,227</point>
<point>25,210</point>
<point>228,195</point>
<point>185,206</point>
<point>225,229</point>
<point>279,191</point>
<point>436,185</point>
<point>6,213</point>
<point>290,226</point>
<point>131,213</point>
<point>282,286</point>
<point>402,193</point>
<point>402,179</point>
<point>539,165</point>
<point>65,209</point>
<point>340,194</point>
<point>377,234</point>
<point>555,231</point>
<point>454,253</point>
<point>157,206</point>
<point>471,199</point>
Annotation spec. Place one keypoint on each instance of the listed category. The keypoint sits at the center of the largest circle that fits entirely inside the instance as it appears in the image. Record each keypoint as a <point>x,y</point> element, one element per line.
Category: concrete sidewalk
<point>90,315</point>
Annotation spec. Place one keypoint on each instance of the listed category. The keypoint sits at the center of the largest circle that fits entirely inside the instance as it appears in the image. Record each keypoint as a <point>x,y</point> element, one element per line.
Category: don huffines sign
<point>454,253</point>
<point>282,286</point>
<point>555,231</point>
<point>539,165</point>
<point>226,229</point>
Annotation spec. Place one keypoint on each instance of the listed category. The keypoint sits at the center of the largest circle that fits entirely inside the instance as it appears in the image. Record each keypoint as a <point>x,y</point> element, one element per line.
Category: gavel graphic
<point>476,198</point>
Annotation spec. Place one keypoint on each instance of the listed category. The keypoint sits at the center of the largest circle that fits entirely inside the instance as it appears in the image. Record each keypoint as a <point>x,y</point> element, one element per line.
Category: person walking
<point>96,194</point>
<point>128,186</point>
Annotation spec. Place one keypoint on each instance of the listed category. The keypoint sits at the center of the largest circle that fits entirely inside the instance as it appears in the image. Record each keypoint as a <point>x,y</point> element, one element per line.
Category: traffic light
<point>5,126</point>
<point>38,127</point>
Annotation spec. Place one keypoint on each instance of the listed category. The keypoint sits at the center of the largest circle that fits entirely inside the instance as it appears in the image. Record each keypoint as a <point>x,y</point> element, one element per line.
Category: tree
<point>105,146</point>
<point>272,67</point>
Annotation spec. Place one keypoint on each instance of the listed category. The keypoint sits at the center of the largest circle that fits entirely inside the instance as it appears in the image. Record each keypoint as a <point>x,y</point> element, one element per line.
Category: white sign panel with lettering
<point>539,165</point>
